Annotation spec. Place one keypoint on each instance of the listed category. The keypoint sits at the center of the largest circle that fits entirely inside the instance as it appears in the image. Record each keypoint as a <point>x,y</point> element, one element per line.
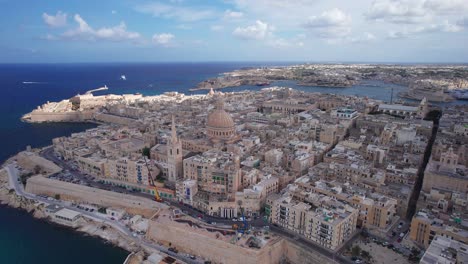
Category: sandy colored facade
<point>327,225</point>
<point>29,160</point>
<point>423,230</point>
<point>78,193</point>
<point>219,250</point>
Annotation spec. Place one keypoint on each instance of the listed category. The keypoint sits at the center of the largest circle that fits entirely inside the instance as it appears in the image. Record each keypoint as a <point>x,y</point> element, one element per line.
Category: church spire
<point>173,131</point>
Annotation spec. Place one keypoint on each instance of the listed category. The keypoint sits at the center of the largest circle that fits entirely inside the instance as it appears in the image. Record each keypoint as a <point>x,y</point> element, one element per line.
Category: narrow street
<point>422,167</point>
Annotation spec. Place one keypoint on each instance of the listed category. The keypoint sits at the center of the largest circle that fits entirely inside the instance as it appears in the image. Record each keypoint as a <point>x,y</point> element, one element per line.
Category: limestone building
<point>220,126</point>
<point>174,156</point>
<point>321,219</point>
<point>446,174</point>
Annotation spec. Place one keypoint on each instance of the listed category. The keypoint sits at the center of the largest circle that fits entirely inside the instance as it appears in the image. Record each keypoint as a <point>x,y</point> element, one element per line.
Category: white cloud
<point>59,20</point>
<point>414,11</point>
<point>286,12</point>
<point>366,37</point>
<point>229,14</point>
<point>258,31</point>
<point>398,11</point>
<point>432,28</point>
<point>446,6</point>
<point>284,43</point>
<point>178,12</point>
<point>279,43</point>
<point>331,18</point>
<point>164,39</point>
<point>330,24</point>
<point>85,32</point>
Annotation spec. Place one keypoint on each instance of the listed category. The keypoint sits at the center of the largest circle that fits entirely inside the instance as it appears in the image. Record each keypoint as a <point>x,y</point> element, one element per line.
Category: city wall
<point>83,194</point>
<point>295,253</point>
<point>29,161</point>
<point>76,116</point>
<point>216,250</point>
<point>277,250</point>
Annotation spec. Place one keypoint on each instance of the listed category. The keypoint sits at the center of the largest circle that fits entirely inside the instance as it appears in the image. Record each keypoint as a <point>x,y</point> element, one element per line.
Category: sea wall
<point>38,116</point>
<point>84,194</point>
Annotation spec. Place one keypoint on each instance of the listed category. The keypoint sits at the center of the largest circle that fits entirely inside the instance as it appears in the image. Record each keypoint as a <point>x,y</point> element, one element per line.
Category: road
<point>18,187</point>
<point>257,222</point>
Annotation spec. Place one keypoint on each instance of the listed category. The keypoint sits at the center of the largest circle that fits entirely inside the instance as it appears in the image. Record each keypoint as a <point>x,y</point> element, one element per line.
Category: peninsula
<point>436,83</point>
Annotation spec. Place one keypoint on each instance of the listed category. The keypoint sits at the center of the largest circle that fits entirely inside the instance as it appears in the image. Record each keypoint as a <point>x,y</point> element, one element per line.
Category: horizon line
<point>244,61</point>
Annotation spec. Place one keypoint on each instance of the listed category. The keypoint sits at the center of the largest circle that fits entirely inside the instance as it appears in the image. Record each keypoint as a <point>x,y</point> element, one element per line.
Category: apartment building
<point>325,221</point>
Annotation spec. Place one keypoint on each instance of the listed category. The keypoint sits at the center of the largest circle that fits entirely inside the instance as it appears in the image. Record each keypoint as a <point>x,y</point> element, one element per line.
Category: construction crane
<point>244,226</point>
<point>151,183</point>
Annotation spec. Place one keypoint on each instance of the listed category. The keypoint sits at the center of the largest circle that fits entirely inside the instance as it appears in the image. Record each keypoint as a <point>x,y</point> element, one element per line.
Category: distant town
<point>271,176</point>
<point>436,83</point>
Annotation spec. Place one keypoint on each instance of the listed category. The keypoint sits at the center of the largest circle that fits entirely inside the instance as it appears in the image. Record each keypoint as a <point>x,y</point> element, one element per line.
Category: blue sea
<point>23,87</point>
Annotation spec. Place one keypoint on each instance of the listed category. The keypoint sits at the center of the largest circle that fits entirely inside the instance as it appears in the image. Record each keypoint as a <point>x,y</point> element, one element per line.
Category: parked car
<point>173,250</point>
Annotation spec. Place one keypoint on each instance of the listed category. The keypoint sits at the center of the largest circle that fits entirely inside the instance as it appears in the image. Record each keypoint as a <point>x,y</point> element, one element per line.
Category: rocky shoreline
<point>8,197</point>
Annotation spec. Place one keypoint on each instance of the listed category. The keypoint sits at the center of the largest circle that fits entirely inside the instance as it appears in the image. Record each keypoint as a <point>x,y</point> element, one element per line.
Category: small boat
<point>123,78</point>
<point>262,84</point>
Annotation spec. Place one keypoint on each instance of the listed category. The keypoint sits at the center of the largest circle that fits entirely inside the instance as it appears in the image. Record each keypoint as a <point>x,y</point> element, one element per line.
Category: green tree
<point>146,152</point>
<point>356,251</point>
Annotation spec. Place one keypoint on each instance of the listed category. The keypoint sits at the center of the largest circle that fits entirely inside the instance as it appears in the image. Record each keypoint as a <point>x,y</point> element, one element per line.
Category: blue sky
<point>234,30</point>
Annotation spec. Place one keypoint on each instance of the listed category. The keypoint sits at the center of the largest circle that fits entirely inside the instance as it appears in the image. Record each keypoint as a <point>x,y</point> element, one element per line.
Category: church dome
<point>220,124</point>
<point>219,119</point>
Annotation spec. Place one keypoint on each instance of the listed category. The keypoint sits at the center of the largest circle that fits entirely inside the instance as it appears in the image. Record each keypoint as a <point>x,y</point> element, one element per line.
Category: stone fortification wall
<point>76,116</point>
<point>218,251</point>
<point>78,193</point>
<point>295,253</point>
<point>29,160</point>
<point>277,250</point>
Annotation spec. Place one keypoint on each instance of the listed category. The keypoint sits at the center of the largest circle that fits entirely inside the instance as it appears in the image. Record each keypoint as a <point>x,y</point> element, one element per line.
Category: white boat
<point>123,78</point>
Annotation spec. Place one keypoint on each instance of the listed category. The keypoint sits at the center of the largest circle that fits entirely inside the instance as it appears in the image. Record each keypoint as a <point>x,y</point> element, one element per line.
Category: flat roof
<point>67,213</point>
<point>398,107</point>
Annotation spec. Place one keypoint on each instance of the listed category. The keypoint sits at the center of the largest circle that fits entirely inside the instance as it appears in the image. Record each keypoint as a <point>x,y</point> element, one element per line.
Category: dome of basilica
<point>220,125</point>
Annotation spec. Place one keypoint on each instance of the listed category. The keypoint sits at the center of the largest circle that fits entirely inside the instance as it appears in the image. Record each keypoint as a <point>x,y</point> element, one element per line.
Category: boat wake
<point>32,82</point>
